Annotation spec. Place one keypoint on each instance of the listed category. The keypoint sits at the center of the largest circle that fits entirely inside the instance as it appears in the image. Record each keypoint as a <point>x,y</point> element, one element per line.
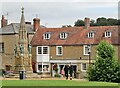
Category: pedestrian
<point>66,71</point>
<point>3,73</point>
<point>62,72</point>
<point>71,71</point>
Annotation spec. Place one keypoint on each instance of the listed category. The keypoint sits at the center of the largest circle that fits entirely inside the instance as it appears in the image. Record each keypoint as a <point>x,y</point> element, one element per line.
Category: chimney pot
<point>3,21</point>
<point>36,24</point>
<point>87,23</point>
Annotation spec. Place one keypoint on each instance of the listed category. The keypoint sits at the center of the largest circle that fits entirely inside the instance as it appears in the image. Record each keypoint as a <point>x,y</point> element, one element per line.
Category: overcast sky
<point>56,13</point>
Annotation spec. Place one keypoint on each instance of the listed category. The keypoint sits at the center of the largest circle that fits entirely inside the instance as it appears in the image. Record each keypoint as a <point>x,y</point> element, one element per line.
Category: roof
<point>13,28</point>
<point>76,36</point>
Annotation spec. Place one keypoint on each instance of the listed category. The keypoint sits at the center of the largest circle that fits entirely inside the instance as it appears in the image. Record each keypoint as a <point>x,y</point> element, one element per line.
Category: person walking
<point>3,73</point>
<point>66,71</point>
<point>71,71</point>
<point>62,72</point>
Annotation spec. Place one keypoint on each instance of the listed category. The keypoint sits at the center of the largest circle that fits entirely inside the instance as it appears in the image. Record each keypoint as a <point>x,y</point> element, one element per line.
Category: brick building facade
<point>71,45</point>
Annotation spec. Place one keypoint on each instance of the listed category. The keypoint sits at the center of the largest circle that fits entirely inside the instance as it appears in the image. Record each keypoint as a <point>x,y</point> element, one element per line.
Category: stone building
<point>70,45</point>
<point>9,38</point>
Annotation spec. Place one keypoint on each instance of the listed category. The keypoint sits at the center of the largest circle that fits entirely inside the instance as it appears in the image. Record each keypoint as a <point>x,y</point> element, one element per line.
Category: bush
<point>105,68</point>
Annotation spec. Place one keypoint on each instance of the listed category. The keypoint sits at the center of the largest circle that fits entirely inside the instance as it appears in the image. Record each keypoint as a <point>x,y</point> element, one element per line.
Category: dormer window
<point>63,35</point>
<point>90,35</point>
<point>108,34</point>
<point>46,36</point>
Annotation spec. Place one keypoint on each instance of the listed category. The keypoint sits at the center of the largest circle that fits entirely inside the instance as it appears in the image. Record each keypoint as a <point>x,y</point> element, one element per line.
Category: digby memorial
<point>22,50</point>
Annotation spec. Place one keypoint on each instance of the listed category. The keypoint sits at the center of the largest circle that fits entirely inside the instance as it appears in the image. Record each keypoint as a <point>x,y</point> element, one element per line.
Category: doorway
<point>74,71</point>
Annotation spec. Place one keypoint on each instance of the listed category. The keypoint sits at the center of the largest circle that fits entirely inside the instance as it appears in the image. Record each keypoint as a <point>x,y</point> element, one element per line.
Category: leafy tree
<point>105,68</point>
<point>101,21</point>
<point>63,26</point>
<point>66,26</point>
<point>119,22</point>
<point>111,21</point>
<point>93,23</point>
<point>69,26</point>
<point>79,23</point>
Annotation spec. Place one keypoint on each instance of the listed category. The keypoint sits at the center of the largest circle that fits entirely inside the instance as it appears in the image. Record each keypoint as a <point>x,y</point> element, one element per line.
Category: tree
<point>66,26</point>
<point>102,21</point>
<point>93,23</point>
<point>79,23</point>
<point>111,21</point>
<point>105,68</point>
<point>118,21</point>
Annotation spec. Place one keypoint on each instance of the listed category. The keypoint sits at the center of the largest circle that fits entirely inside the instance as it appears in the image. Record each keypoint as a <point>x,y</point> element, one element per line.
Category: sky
<point>56,13</point>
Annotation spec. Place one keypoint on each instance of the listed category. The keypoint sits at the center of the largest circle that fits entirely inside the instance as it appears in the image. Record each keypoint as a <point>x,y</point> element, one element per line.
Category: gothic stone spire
<point>23,57</point>
<point>23,41</point>
<point>22,17</point>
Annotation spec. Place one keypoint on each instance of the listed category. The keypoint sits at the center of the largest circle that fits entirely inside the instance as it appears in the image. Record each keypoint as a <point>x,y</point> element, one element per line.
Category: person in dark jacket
<point>66,71</point>
<point>3,72</point>
<point>71,71</point>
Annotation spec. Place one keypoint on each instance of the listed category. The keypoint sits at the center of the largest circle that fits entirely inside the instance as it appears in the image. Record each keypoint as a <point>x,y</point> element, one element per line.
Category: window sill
<point>42,54</point>
<point>90,37</point>
<point>108,37</point>
<point>47,39</point>
<point>83,70</point>
<point>63,38</point>
<point>86,54</point>
<point>59,55</point>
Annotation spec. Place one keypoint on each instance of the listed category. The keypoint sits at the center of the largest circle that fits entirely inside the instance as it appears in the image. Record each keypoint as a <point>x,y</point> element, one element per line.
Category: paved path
<point>41,79</point>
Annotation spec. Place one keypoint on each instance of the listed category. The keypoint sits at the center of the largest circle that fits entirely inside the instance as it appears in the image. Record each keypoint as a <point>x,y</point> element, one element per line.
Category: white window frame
<point>37,50</point>
<point>84,49</point>
<point>82,67</point>
<point>46,36</point>
<point>63,35</point>
<point>108,34</point>
<point>90,35</point>
<point>57,53</point>
<point>42,47</point>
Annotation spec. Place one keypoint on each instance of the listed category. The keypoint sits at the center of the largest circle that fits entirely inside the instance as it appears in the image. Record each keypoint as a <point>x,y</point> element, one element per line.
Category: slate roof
<point>13,28</point>
<point>76,36</point>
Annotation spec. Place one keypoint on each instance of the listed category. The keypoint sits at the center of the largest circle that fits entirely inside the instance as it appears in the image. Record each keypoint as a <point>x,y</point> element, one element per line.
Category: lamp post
<point>89,51</point>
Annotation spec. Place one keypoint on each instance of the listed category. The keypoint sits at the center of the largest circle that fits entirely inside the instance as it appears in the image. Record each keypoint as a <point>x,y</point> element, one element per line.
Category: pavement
<point>42,79</point>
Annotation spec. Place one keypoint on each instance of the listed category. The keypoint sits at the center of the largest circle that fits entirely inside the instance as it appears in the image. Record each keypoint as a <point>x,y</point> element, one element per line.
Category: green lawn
<point>54,83</point>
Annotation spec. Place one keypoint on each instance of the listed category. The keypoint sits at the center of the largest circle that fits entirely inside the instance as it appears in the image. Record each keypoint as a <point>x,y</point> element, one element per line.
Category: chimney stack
<point>87,23</point>
<point>36,24</point>
<point>3,21</point>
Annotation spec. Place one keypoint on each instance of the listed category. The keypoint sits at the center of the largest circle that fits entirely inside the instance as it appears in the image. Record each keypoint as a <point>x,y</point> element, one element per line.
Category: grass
<point>54,83</point>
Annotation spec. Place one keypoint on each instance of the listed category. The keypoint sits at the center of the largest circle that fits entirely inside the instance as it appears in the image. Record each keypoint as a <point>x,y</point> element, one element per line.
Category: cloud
<point>56,14</point>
